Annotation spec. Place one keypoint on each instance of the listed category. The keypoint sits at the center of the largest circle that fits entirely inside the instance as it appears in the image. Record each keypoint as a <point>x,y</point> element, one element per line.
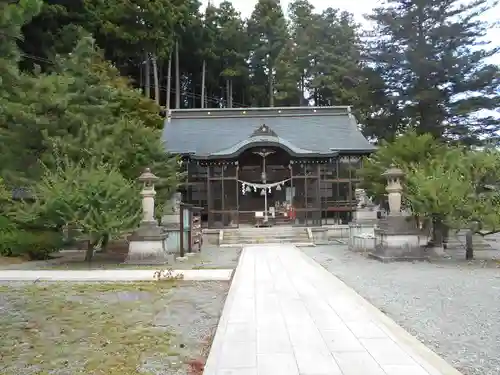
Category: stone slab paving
<point>285,314</point>
<point>111,275</point>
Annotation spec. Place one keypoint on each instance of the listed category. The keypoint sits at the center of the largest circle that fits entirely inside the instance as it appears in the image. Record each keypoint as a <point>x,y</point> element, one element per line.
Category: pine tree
<point>288,77</point>
<point>84,110</point>
<point>304,32</point>
<point>432,58</point>
<point>232,46</point>
<point>336,59</point>
<point>91,195</point>
<point>12,18</point>
<point>210,34</point>
<point>268,30</point>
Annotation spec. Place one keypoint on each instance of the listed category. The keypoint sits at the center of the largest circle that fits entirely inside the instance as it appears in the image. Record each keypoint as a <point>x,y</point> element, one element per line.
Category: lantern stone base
<point>147,245</point>
<point>398,239</point>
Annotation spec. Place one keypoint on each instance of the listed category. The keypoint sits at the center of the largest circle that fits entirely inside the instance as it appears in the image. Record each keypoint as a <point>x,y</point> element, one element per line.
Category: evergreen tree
<point>432,57</point>
<point>91,196</point>
<point>84,110</point>
<point>288,77</point>
<point>12,18</point>
<point>336,59</point>
<point>268,31</point>
<point>232,46</point>
<point>304,32</point>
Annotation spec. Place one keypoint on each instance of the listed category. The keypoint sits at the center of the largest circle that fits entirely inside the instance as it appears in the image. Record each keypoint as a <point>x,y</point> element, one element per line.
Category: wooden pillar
<point>209,196</point>
<point>237,196</point>
<point>181,231</point>
<point>223,195</point>
<point>318,193</point>
<point>305,167</point>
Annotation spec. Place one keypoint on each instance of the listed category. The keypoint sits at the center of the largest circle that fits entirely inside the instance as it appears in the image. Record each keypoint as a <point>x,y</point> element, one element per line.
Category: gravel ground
<point>211,257</point>
<point>451,306</point>
<point>108,329</point>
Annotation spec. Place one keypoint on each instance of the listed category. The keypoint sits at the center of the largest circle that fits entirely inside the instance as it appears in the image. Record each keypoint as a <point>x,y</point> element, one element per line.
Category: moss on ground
<point>210,258</point>
<point>92,329</point>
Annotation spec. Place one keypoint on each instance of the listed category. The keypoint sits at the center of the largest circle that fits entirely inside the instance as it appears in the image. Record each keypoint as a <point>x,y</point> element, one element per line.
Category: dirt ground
<point>148,328</point>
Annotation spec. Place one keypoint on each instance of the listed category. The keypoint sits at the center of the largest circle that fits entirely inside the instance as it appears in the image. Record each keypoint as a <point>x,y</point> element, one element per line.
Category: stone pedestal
<point>147,245</point>
<point>362,230</point>
<point>361,234</point>
<point>398,239</point>
<point>171,225</point>
<point>365,215</point>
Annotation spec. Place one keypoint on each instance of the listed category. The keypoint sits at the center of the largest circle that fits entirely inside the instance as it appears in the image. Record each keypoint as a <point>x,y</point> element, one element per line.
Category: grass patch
<point>92,329</point>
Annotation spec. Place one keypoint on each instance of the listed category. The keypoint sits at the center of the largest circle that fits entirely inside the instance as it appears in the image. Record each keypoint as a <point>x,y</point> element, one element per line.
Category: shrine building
<point>292,165</point>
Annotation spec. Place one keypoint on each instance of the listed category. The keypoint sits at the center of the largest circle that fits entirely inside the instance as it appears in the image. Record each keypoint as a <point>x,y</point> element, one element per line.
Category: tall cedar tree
<point>232,47</point>
<point>268,30</point>
<point>432,56</point>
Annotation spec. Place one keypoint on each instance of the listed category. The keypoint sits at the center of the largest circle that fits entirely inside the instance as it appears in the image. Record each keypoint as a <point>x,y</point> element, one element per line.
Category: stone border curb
<point>113,275</point>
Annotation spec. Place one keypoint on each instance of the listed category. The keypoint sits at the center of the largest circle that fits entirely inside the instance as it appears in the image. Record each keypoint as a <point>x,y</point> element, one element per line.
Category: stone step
<point>257,236</point>
<point>267,232</point>
<point>265,235</point>
<point>270,240</point>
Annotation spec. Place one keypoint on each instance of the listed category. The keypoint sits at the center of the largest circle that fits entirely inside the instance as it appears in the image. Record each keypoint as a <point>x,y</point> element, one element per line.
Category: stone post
<point>394,189</point>
<point>362,228</point>
<point>173,225</point>
<point>147,243</point>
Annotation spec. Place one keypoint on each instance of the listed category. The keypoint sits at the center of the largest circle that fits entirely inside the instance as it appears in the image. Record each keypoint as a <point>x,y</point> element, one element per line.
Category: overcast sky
<point>358,8</point>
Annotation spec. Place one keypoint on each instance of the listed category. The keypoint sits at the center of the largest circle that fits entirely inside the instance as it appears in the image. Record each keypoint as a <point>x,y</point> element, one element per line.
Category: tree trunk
<point>271,87</point>
<point>141,76</point>
<point>104,242</point>
<point>89,253</point>
<point>169,84</point>
<point>177,78</point>
<point>446,235</point>
<point>302,91</point>
<point>231,93</point>
<point>437,232</point>
<point>469,247</point>
<point>156,80</point>
<point>228,94</point>
<point>147,76</point>
<point>203,74</point>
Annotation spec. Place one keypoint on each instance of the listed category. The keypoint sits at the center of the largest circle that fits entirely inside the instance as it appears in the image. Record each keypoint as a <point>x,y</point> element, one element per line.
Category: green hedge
<point>34,244</point>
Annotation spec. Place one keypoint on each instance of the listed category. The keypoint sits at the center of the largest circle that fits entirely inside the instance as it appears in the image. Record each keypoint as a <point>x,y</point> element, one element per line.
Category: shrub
<point>36,245</point>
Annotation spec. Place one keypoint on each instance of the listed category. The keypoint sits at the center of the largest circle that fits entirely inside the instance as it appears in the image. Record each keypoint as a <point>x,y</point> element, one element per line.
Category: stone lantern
<point>398,237</point>
<point>394,189</point>
<point>147,244</point>
<point>148,193</point>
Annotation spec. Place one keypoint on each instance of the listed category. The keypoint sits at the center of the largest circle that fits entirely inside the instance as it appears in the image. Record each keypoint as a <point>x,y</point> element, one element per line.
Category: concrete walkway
<point>111,275</point>
<point>285,314</point>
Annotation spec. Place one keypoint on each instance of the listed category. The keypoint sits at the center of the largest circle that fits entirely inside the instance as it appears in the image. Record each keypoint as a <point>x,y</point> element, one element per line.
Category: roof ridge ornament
<point>264,130</point>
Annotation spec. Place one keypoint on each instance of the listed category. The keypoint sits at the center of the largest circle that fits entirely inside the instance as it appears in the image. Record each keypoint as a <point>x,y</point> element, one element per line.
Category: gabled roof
<point>308,131</point>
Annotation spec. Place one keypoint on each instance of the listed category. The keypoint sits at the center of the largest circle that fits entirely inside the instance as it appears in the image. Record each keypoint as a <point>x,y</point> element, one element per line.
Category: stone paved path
<point>110,275</point>
<point>287,315</point>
